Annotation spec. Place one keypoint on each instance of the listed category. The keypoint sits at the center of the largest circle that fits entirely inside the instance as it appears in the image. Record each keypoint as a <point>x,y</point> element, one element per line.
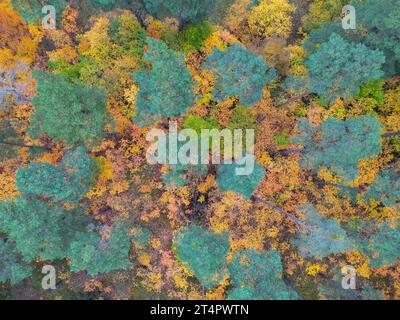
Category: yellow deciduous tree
<point>271,18</point>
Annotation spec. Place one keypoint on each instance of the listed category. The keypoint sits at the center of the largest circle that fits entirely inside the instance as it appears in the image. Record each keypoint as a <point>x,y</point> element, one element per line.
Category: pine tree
<point>339,145</point>
<point>229,180</point>
<point>257,276</point>
<point>337,69</point>
<point>70,181</point>
<point>12,266</point>
<point>65,111</point>
<point>327,236</point>
<point>90,252</point>
<point>239,73</point>
<point>166,89</point>
<point>203,251</point>
<point>40,229</point>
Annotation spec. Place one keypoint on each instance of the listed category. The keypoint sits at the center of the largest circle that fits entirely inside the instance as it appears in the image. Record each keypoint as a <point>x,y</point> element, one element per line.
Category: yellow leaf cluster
<point>205,186</point>
<point>67,53</point>
<point>8,188</point>
<point>360,262</point>
<point>144,259</point>
<point>313,269</point>
<point>271,18</point>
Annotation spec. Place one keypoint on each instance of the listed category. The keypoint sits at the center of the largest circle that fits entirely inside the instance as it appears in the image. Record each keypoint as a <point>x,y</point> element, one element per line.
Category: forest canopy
<point>310,109</point>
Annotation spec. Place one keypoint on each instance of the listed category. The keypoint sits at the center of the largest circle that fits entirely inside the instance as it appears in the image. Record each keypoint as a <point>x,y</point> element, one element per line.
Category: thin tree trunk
<point>22,145</point>
<point>341,186</point>
<point>391,134</point>
<point>293,100</point>
<point>292,151</point>
<point>288,214</point>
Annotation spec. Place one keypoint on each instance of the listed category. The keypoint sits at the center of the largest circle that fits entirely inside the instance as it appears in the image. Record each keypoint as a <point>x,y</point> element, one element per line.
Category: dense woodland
<point>76,190</point>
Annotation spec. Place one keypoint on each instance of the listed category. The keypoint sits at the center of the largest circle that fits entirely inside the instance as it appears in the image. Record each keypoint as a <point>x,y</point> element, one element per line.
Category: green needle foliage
<point>337,69</point>
<point>40,229</point>
<point>65,111</point>
<point>377,28</point>
<point>239,73</point>
<point>339,145</point>
<point>108,5</point>
<point>381,21</point>
<point>166,89</point>
<point>175,178</point>
<point>95,255</point>
<point>141,237</point>
<point>228,180</point>
<point>321,11</point>
<point>184,10</point>
<point>321,35</point>
<point>383,247</point>
<point>12,267</point>
<point>203,251</point>
<point>257,276</point>
<point>327,237</point>
<point>69,181</point>
<point>386,188</point>
<point>31,10</point>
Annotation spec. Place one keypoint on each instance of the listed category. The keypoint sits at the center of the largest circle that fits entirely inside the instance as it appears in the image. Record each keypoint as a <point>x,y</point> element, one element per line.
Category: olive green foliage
<point>127,33</point>
<point>339,145</point>
<point>70,112</point>
<point>203,251</point>
<point>333,290</point>
<point>242,118</point>
<point>386,188</point>
<point>337,69</point>
<point>327,236</point>
<point>90,252</point>
<point>257,276</point>
<point>282,140</point>
<point>124,37</point>
<point>191,38</point>
<point>320,11</point>
<point>374,90</point>
<point>239,73</point>
<point>9,141</point>
<point>12,267</point>
<point>40,229</point>
<point>166,89</point>
<point>69,181</point>
<point>228,180</point>
<point>198,123</point>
